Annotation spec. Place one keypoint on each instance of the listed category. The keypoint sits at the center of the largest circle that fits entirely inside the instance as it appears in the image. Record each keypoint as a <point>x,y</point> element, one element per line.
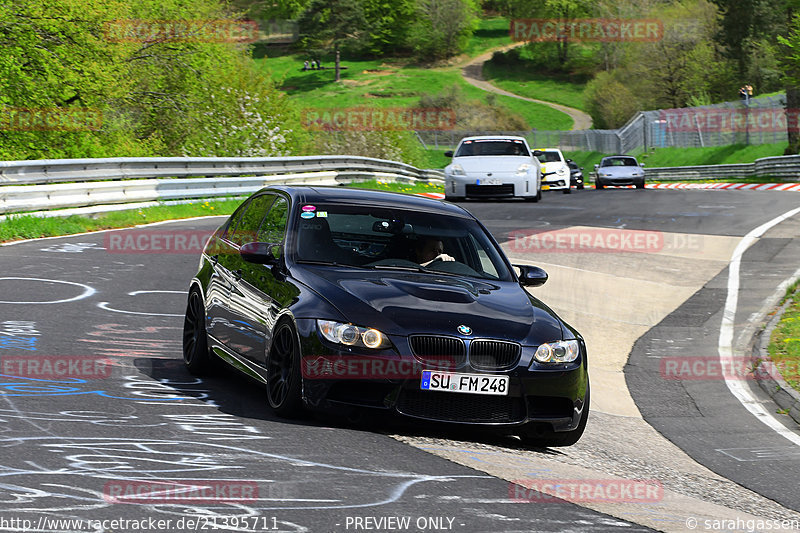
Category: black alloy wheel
<point>195,339</point>
<point>283,373</point>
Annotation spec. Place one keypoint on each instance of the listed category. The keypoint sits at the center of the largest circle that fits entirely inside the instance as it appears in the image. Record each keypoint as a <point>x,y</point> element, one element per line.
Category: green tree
<point>332,23</point>
<point>155,91</point>
<point>387,23</point>
<point>441,28</point>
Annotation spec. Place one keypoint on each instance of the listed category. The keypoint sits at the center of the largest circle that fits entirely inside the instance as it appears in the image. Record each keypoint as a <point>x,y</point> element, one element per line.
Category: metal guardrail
<point>785,167</point>
<point>54,184</point>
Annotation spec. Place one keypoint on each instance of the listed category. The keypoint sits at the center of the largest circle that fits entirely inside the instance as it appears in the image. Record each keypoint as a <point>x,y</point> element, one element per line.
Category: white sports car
<point>493,167</point>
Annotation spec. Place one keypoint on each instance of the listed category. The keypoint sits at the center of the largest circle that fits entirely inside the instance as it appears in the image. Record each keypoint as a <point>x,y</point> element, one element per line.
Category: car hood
<point>404,303</point>
<point>552,166</point>
<point>620,171</point>
<point>496,163</point>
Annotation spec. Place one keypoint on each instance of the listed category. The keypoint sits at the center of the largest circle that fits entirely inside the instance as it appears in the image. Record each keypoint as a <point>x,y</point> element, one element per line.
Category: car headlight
<point>557,352</point>
<point>523,169</point>
<point>604,175</point>
<point>561,171</point>
<point>457,170</point>
<point>351,335</point>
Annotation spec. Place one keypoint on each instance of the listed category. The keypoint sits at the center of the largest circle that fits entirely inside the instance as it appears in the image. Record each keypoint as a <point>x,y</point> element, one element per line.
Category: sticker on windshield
<point>322,214</point>
<point>307,214</point>
<point>309,208</point>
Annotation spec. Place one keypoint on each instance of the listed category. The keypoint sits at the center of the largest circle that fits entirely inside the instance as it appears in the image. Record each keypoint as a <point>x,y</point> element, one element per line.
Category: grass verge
<point>390,83</point>
<point>784,344</point>
<point>18,227</point>
<point>560,89</point>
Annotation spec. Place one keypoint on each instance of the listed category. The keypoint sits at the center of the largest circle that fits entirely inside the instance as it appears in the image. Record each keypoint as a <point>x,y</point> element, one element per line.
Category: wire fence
<point>757,121</point>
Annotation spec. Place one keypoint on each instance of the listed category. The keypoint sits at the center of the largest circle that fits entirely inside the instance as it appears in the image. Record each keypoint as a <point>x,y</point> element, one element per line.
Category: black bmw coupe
<point>339,299</point>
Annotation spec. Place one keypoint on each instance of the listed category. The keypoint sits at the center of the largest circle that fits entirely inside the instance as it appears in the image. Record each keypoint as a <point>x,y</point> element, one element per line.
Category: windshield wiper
<point>328,263</point>
<point>400,267</point>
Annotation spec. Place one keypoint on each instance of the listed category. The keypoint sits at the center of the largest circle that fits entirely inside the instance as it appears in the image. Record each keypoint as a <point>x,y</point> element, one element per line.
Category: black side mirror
<point>448,153</point>
<point>261,253</point>
<point>538,153</point>
<point>531,276</point>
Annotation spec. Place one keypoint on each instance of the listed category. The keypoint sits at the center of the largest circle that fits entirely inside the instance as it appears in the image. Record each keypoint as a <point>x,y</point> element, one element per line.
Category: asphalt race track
<point>96,403</point>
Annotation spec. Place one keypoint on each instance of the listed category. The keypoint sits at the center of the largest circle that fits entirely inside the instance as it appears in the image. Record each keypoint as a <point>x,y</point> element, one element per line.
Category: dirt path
<point>473,74</point>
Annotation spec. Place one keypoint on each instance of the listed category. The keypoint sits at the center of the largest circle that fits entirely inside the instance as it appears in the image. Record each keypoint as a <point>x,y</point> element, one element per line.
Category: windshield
<point>492,147</point>
<point>549,157</point>
<point>396,239</point>
<point>619,162</point>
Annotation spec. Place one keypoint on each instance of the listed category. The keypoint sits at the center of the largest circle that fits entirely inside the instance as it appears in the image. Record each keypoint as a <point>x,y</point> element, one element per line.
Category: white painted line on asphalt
<point>106,307</point>
<point>725,348</point>
<point>135,293</point>
<point>87,291</point>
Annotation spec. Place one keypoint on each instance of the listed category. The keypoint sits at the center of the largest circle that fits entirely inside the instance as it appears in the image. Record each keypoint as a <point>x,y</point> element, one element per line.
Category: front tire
<point>598,185</point>
<point>568,190</point>
<point>284,381</point>
<point>536,198</point>
<point>195,339</point>
<point>640,185</point>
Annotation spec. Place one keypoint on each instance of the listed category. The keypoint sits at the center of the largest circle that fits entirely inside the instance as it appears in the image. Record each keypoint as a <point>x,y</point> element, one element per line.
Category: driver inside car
<point>430,249</point>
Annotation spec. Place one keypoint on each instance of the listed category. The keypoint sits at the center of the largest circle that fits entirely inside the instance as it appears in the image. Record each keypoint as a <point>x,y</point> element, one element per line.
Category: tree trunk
<point>338,72</point>
<point>792,105</point>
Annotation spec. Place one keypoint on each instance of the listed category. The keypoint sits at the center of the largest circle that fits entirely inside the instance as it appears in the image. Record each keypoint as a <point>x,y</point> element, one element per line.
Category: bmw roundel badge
<point>464,330</point>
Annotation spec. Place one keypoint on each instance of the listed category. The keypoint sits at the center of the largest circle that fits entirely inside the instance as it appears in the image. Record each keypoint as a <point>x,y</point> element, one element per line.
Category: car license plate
<point>489,181</point>
<point>469,383</point>
<point>545,187</point>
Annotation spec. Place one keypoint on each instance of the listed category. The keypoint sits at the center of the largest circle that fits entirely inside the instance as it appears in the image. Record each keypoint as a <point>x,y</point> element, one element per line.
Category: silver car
<point>619,170</point>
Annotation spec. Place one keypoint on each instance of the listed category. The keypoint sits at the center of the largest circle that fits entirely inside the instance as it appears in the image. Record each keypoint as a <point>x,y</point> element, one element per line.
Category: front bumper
<point>620,180</point>
<point>554,184</point>
<point>552,396</point>
<point>500,185</point>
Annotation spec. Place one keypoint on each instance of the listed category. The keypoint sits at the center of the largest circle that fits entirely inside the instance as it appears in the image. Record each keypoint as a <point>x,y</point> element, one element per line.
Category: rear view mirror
<point>261,253</point>
<point>448,153</point>
<point>395,227</point>
<point>538,153</point>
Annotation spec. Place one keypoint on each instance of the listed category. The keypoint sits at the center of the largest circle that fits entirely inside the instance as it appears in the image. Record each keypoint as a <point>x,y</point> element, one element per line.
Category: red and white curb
<point>434,195</point>
<point>791,187</point>
<point>728,186</point>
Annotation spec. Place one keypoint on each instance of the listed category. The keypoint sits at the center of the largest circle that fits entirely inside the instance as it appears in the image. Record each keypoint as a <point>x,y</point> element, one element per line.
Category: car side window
<point>273,228</point>
<point>234,220</point>
<point>247,228</point>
